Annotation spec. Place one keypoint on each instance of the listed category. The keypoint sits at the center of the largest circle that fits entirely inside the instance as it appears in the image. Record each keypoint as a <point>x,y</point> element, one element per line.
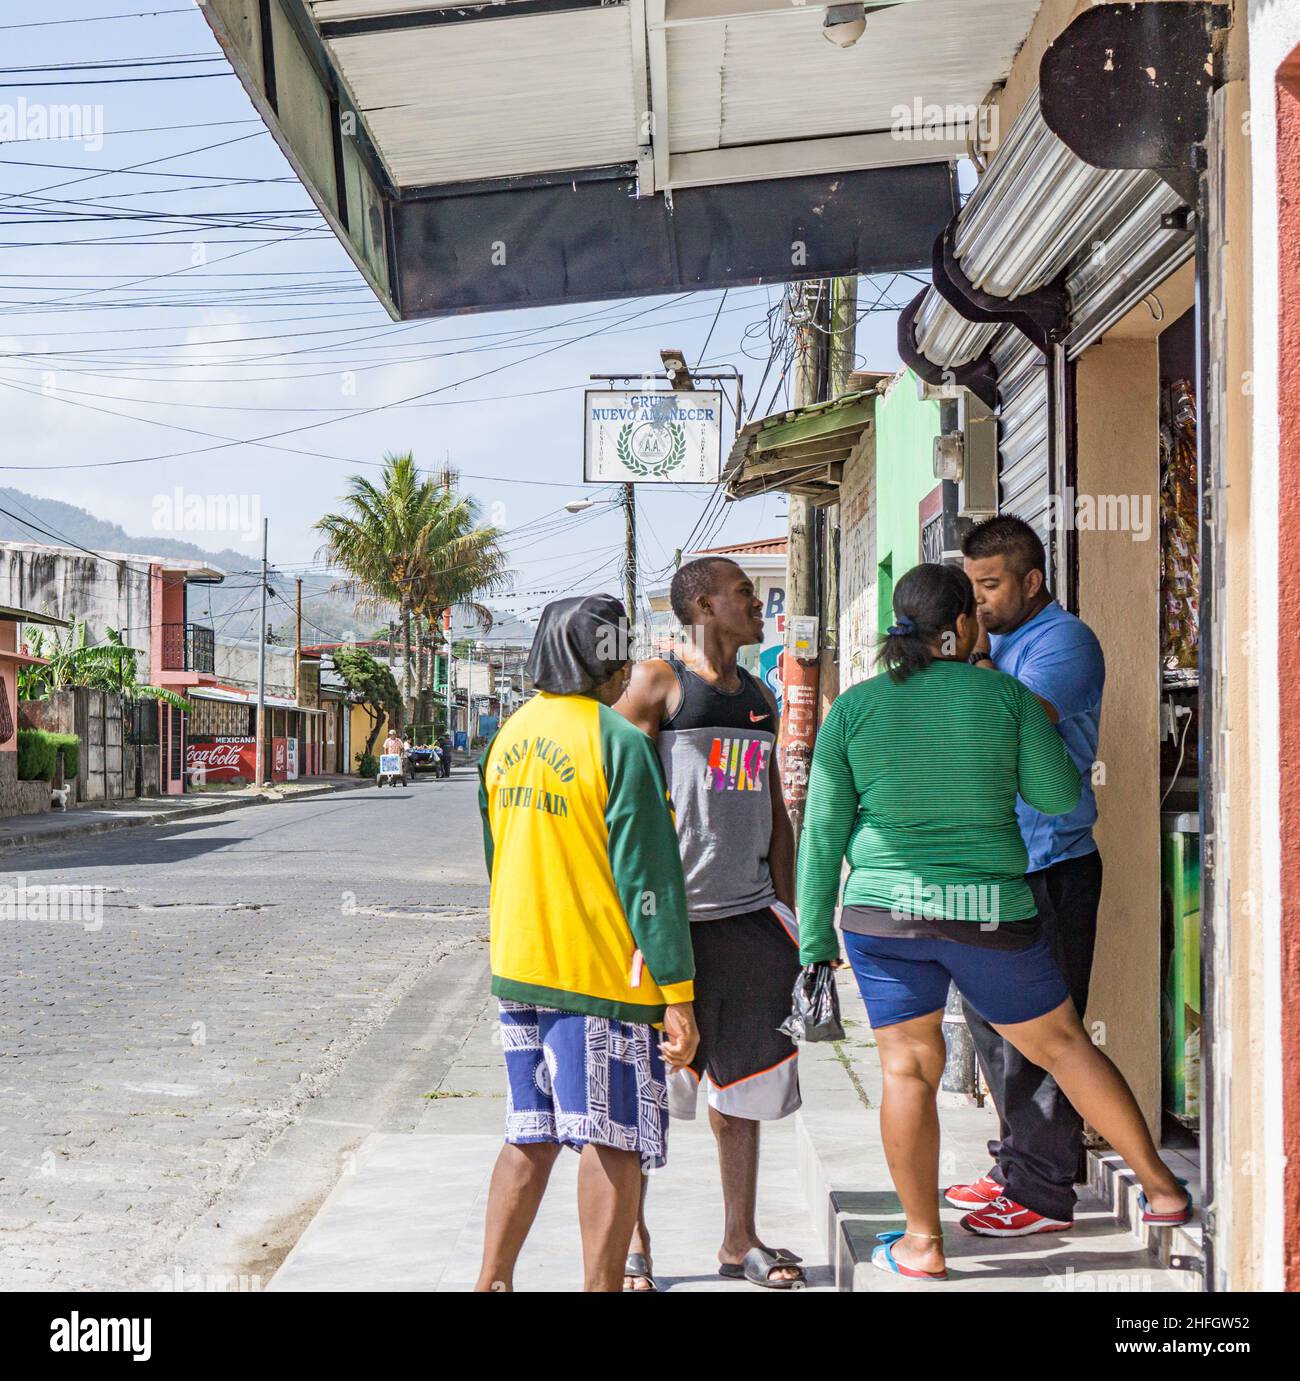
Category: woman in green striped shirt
<point>914,781</point>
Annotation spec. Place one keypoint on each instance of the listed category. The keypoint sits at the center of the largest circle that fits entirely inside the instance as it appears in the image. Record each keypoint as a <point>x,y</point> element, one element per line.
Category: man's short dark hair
<point>1010,538</point>
<point>692,580</point>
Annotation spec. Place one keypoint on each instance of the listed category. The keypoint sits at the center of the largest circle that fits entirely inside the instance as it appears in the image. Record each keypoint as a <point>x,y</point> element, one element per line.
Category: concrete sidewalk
<point>408,1214</point>
<point>21,831</point>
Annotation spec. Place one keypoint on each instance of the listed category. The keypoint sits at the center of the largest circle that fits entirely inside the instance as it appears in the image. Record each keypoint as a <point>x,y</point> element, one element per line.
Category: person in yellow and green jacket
<point>590,943</point>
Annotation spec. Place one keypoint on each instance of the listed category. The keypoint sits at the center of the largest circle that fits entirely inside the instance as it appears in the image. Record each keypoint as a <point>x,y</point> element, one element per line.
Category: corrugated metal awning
<point>801,451</point>
<point>8,611</point>
<point>237,695</point>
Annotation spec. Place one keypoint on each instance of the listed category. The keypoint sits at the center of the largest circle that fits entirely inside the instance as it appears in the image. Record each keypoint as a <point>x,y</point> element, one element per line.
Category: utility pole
<point>469,696</point>
<point>308,721</point>
<point>800,675</point>
<point>629,563</point>
<point>261,666</point>
<point>809,387</point>
<point>841,357</point>
<point>448,688</point>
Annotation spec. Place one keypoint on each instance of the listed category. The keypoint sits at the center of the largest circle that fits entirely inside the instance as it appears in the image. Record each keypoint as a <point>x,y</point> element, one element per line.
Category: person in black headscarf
<point>590,944</point>
<point>581,642</point>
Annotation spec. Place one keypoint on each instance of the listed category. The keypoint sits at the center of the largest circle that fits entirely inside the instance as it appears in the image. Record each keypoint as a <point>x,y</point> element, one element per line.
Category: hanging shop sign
<point>652,437</point>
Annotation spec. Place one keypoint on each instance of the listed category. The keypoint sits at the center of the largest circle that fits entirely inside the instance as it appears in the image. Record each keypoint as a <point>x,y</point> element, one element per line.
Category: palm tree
<point>414,542</point>
<point>463,560</point>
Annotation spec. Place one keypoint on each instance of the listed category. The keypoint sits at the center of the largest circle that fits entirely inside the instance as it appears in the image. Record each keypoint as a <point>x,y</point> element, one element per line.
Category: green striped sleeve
<point>489,847</point>
<point>643,854</point>
<point>1049,780</point>
<point>830,813</point>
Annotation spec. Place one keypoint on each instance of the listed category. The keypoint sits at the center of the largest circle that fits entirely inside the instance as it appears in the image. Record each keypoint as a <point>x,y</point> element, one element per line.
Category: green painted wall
<point>905,432</point>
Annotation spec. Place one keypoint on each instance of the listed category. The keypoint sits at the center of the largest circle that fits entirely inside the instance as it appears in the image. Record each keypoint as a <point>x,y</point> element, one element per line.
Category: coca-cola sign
<point>221,759</point>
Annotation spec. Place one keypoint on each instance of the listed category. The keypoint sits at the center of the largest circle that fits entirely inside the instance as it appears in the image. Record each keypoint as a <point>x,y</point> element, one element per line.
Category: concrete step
<point>1181,1249</point>
<point>846,1181</point>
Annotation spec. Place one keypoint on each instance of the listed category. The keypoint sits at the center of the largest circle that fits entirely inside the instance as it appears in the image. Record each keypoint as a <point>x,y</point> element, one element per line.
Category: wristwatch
<point>977,657</point>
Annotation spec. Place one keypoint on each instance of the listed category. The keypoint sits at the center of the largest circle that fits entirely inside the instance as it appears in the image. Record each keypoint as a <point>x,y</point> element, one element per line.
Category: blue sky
<point>156,339</point>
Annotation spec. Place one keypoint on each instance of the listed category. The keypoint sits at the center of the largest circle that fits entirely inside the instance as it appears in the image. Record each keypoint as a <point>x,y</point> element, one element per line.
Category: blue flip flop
<point>883,1259</point>
<point>1167,1220</point>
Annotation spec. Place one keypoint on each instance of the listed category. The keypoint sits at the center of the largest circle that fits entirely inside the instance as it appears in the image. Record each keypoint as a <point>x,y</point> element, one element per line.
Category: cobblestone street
<point>201,1065</point>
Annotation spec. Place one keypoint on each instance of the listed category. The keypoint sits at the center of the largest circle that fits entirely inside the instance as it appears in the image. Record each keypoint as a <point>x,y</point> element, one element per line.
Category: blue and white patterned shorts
<point>581,1080</point>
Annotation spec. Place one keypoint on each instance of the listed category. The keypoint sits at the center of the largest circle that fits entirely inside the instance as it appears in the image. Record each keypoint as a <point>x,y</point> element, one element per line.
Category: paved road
<point>181,1086</point>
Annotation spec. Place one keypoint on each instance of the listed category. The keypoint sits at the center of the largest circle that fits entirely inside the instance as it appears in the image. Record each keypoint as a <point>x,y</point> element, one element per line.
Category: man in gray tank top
<point>715,726</point>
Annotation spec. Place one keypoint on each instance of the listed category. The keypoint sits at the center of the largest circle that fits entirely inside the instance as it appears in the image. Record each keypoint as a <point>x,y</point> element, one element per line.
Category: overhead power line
<point>97,18</point>
<point>117,81</point>
<point>229,443</point>
<point>117,64</point>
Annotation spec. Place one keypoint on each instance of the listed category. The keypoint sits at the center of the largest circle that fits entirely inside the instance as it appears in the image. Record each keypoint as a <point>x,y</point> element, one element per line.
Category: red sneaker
<point>1006,1218</point>
<point>983,1191</point>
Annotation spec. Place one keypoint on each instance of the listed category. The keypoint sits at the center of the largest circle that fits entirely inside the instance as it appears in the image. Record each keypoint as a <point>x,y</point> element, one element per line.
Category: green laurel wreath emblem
<point>651,469</point>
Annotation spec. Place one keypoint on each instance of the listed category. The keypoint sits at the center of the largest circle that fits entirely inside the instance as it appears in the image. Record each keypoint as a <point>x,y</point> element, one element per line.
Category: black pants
<point>1041,1135</point>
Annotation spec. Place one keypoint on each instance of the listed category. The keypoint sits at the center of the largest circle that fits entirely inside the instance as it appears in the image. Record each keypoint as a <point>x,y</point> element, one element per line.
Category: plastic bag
<point>816,1012</point>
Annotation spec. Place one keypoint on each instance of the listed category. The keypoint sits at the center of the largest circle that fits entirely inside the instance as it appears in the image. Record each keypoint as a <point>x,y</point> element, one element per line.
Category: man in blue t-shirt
<point>1027,634</point>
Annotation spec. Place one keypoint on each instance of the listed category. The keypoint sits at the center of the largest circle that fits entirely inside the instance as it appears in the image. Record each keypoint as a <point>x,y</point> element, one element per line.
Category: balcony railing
<point>188,647</point>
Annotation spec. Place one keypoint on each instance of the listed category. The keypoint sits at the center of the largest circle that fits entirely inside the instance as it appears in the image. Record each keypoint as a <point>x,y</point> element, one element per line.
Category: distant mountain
<point>65,523</point>
<point>231,608</point>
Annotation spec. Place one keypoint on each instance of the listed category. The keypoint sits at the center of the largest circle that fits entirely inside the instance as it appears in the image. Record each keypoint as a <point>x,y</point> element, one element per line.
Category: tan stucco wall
<point>1119,578</point>
<point>1126,998</point>
<point>858,563</point>
<point>1243,1231</point>
<point>1052,18</point>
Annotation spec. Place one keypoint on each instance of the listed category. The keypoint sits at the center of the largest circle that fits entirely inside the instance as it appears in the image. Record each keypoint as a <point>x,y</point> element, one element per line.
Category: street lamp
<point>679,374</point>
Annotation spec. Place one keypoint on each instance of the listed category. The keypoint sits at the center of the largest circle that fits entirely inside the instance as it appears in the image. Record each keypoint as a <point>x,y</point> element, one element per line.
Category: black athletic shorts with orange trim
<point>745,971</point>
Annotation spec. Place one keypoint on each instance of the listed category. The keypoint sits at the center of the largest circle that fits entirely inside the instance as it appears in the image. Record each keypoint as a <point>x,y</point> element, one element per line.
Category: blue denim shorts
<point>907,978</point>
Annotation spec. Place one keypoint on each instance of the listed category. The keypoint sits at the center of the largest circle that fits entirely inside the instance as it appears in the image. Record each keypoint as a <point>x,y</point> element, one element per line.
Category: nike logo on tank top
<point>718,751</point>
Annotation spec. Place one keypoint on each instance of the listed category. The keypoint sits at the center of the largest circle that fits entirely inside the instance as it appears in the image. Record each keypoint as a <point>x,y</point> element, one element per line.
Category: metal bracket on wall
<point>1127,87</point>
<point>978,375</point>
<point>1042,315</point>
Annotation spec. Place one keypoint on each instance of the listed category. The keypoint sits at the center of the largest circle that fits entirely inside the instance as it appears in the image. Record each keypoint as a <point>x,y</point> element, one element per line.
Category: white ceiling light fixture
<point>844,24</point>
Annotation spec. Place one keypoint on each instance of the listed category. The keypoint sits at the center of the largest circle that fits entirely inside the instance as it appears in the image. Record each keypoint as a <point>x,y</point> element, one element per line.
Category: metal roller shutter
<point>1040,215</point>
<point>1023,484</point>
<point>1136,247</point>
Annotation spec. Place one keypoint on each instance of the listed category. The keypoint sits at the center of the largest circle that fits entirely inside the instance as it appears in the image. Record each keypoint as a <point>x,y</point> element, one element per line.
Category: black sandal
<point>758,1265</point>
<point>638,1267</point>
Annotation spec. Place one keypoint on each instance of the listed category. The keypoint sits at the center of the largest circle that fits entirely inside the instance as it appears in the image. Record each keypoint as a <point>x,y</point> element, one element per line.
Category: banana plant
<point>71,660</point>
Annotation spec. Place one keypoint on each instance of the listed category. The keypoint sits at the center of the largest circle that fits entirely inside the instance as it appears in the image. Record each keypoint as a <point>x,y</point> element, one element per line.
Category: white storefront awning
<point>504,153</point>
<point>234,695</point>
